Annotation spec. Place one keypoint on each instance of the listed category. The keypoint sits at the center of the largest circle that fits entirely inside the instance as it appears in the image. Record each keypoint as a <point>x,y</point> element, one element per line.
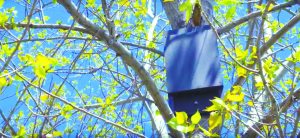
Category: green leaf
<point>227,2</point>
<point>168,0</point>
<point>157,113</point>
<point>235,95</point>
<point>270,67</point>
<point>42,65</point>
<point>271,7</point>
<point>241,72</point>
<point>250,103</point>
<point>1,3</point>
<point>187,7</point>
<point>215,120</point>
<point>44,97</point>
<point>4,18</point>
<point>22,131</point>
<point>172,122</point>
<point>6,50</point>
<point>185,128</point>
<point>230,13</point>
<point>191,128</point>
<point>39,72</point>
<point>181,118</point>
<point>266,129</point>
<point>237,89</point>
<point>3,82</point>
<point>218,104</point>
<point>207,133</point>
<point>68,108</point>
<point>236,98</point>
<point>90,3</point>
<point>260,7</point>
<point>241,54</point>
<point>57,134</point>
<point>124,3</point>
<point>212,108</point>
<point>196,118</point>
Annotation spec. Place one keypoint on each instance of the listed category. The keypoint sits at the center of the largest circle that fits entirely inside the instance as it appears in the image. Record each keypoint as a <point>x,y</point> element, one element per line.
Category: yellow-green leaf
<point>172,122</point>
<point>168,0</point>
<point>1,3</point>
<point>125,3</point>
<point>91,3</point>
<point>42,65</point>
<point>250,103</point>
<point>235,97</point>
<point>227,2</point>
<point>22,131</point>
<point>181,117</point>
<point>265,127</point>
<point>57,134</point>
<point>196,118</point>
<point>40,72</point>
<point>4,18</point>
<point>68,108</point>
<point>187,7</point>
<point>260,7</point>
<point>215,120</point>
<point>218,104</point>
<point>191,128</point>
<point>207,133</point>
<point>236,89</point>
<point>3,82</point>
<point>241,54</point>
<point>212,108</point>
<point>230,13</point>
<point>271,7</point>
<point>44,97</point>
<point>241,72</point>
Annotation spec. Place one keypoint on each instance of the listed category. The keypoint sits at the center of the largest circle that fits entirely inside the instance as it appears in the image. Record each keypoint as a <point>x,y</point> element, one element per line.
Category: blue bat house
<point>193,68</point>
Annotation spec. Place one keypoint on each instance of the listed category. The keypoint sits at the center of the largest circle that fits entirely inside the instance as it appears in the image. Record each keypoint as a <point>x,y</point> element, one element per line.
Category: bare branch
<point>128,59</point>
<point>271,41</point>
<point>23,35</point>
<point>82,110</point>
<point>13,132</point>
<point>252,15</point>
<point>280,33</point>
<point>269,118</point>
<point>46,26</point>
<point>85,38</point>
<point>177,20</point>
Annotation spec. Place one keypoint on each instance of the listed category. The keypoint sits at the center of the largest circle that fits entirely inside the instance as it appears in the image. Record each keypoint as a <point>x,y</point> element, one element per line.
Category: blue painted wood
<point>193,68</point>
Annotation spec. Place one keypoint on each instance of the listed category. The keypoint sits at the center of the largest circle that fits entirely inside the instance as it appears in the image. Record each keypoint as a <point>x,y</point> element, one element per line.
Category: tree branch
<point>176,18</point>
<point>128,59</point>
<point>13,132</point>
<point>81,109</point>
<point>160,53</point>
<point>46,26</point>
<point>269,118</point>
<point>252,15</point>
<point>271,41</point>
<point>279,33</point>
<point>19,43</point>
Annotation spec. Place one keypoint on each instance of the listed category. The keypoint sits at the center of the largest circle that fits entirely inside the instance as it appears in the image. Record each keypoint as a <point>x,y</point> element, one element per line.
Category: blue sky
<point>8,98</point>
